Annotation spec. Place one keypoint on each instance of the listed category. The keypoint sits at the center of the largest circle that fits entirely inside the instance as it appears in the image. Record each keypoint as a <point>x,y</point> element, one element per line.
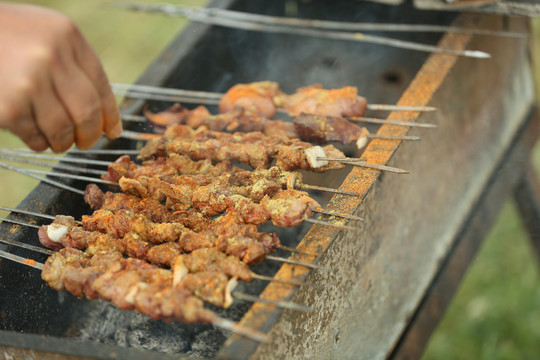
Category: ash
<point>105,323</point>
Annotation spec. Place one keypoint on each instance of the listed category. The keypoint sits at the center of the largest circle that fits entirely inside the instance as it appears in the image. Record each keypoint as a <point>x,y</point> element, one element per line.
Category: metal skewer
<point>352,26</point>
<point>326,223</point>
<point>393,137</point>
<point>294,250</point>
<point>200,16</point>
<point>21,260</point>
<point>27,246</point>
<point>16,222</point>
<point>33,213</point>
<point>292,262</point>
<point>390,122</point>
<point>147,92</point>
<point>355,162</point>
<point>56,166</point>
<point>67,159</point>
<point>269,278</point>
<point>71,176</point>
<point>281,304</point>
<point>75,151</point>
<point>45,180</point>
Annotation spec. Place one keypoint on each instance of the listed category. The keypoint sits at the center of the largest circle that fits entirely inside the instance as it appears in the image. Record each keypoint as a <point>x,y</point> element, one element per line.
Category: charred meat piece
<point>321,129</point>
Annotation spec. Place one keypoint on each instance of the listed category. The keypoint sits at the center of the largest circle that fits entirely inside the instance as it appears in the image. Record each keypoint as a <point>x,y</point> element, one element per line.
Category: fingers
<point>16,116</point>
<point>80,99</point>
<point>90,64</point>
<point>51,117</point>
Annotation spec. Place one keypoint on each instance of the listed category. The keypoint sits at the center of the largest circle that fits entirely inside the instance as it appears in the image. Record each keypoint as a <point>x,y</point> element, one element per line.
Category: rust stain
<point>30,262</point>
<point>360,180</point>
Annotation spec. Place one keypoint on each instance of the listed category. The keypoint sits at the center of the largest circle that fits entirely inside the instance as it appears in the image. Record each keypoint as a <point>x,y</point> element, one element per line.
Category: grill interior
<point>40,318</point>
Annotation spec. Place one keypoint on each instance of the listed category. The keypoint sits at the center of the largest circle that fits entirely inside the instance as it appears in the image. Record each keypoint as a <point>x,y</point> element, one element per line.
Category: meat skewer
<point>162,165</point>
<point>175,165</point>
<point>370,120</point>
<point>258,182</point>
<point>58,237</point>
<point>271,89</point>
<point>170,304</point>
<point>306,127</point>
<point>254,149</point>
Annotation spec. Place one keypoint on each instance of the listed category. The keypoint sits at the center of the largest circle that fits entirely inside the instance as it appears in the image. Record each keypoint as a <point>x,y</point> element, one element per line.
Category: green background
<point>496,312</point>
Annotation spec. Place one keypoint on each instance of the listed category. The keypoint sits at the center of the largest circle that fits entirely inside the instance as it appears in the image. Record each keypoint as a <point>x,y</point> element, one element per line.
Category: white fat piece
<point>231,285</point>
<point>130,297</point>
<point>362,140</point>
<point>312,154</point>
<point>291,181</point>
<point>179,270</point>
<point>56,232</point>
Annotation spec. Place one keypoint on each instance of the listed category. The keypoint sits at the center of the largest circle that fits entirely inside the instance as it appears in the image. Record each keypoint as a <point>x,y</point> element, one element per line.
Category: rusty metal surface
<point>375,279</point>
<point>506,7</point>
<point>513,173</point>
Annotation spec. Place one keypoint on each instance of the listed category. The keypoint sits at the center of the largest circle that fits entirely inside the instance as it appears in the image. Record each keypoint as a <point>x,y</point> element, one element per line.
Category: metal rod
<point>321,188</point>
<point>27,246</point>
<point>278,303</point>
<point>75,151</point>
<point>21,260</point>
<point>238,329</point>
<point>28,212</point>
<point>199,16</point>
<point>33,213</point>
<point>269,278</point>
<point>56,166</point>
<point>134,118</point>
<point>390,122</point>
<point>56,158</point>
<point>326,223</point>
<point>19,223</point>
<point>354,26</point>
<point>45,180</point>
<point>291,249</point>
<point>384,107</point>
<point>71,176</point>
<point>166,91</point>
<point>394,137</point>
<point>339,214</point>
<point>354,162</point>
<point>158,97</point>
<point>292,262</point>
<point>133,135</point>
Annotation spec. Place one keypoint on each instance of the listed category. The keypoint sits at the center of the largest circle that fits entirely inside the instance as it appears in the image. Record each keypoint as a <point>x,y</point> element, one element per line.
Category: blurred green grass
<point>496,312</point>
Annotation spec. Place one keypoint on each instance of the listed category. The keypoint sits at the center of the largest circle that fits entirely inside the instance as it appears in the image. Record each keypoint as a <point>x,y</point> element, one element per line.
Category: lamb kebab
<point>167,168</point>
<point>135,284</point>
<point>307,127</point>
<point>135,236</point>
<point>253,148</point>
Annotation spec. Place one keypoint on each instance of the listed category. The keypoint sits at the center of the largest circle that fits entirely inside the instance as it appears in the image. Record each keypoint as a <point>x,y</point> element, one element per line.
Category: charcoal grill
<point>382,288</point>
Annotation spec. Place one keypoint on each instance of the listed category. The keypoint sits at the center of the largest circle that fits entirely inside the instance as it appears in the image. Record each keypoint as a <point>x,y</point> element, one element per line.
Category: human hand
<point>53,90</point>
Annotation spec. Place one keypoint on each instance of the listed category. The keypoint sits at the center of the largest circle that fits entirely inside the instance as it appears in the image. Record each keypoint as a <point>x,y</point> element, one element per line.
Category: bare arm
<point>53,90</point>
